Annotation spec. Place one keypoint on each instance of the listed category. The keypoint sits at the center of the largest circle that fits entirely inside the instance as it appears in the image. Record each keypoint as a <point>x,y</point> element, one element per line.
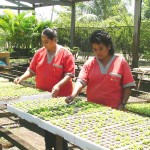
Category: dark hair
<point>50,33</point>
<point>102,37</point>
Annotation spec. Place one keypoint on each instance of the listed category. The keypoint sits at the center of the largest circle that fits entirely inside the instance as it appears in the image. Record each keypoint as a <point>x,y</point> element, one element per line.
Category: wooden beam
<point>59,142</point>
<point>136,35</point>
<point>17,3</point>
<point>76,1</point>
<point>20,143</point>
<point>73,25</point>
<point>38,3</point>
<point>52,2</point>
<point>6,114</point>
<point>16,8</point>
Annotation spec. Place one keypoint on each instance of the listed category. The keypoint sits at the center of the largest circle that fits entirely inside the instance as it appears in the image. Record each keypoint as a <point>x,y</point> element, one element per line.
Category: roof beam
<point>45,1</point>
<point>38,3</point>
<point>41,3</point>
<point>17,3</point>
<point>50,1</point>
<point>76,1</point>
<point>53,3</point>
<point>16,8</point>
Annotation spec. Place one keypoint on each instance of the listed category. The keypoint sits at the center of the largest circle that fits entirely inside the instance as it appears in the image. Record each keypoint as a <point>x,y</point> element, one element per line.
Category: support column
<point>33,7</point>
<point>52,13</point>
<point>19,7</point>
<point>73,25</point>
<point>59,143</point>
<point>136,35</point>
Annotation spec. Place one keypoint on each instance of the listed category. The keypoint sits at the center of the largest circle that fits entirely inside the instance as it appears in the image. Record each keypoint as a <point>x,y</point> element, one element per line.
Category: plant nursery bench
<point>86,125</point>
<point>142,77</point>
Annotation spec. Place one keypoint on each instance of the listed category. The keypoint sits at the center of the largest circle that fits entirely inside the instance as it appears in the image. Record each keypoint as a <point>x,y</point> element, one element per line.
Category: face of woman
<point>47,43</point>
<point>101,51</point>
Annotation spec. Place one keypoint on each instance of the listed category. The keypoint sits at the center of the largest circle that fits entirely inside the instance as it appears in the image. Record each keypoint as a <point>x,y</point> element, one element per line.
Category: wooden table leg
<point>0,146</point>
<point>59,142</point>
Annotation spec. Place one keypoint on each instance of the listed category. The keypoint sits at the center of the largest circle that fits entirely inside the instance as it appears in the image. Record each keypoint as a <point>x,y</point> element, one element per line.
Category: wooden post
<point>52,13</point>
<point>19,7</point>
<point>0,146</point>
<point>136,35</point>
<point>59,142</point>
<point>33,12</point>
<point>72,25</point>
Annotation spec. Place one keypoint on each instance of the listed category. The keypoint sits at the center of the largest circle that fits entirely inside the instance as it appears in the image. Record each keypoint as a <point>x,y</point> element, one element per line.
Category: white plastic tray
<point>88,145</point>
<point>57,130</point>
<point>46,125</point>
<point>23,98</point>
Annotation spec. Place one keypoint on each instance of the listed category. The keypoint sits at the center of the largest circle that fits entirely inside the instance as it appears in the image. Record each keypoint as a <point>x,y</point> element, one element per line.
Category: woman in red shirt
<point>108,77</point>
<point>53,67</point>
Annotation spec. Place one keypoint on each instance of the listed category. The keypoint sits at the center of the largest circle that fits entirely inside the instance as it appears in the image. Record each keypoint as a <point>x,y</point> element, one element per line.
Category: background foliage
<point>22,32</point>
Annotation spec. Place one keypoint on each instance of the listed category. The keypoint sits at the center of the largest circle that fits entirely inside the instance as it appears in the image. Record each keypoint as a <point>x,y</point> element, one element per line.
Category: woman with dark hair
<point>53,66</point>
<point>108,77</point>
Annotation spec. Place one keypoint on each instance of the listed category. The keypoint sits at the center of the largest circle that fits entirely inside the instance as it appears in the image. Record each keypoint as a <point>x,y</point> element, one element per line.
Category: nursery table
<point>87,125</point>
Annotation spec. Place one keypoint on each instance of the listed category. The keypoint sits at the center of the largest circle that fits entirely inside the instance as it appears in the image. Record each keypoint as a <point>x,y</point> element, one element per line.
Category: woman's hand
<point>55,90</point>
<point>75,92</point>
<point>17,80</point>
<point>69,99</point>
<point>121,107</point>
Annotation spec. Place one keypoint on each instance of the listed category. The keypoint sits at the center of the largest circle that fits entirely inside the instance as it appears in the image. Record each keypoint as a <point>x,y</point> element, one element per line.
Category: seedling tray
<point>87,125</point>
<point>140,108</point>
<point>110,132</point>
<point>12,92</point>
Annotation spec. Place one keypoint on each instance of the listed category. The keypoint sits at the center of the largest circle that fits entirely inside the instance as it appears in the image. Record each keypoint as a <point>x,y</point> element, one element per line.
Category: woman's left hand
<point>55,90</point>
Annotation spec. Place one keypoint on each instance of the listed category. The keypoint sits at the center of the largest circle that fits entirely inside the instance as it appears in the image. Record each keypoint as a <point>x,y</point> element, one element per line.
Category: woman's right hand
<point>69,99</point>
<point>17,80</point>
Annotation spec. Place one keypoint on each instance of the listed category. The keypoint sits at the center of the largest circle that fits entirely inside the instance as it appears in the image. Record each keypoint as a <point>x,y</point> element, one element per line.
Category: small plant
<point>99,134</point>
<point>146,142</point>
<point>135,128</point>
<point>136,147</point>
<point>9,90</point>
<point>141,108</point>
<point>76,130</point>
<point>147,133</point>
<point>118,138</point>
<point>96,130</point>
<point>91,119</point>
